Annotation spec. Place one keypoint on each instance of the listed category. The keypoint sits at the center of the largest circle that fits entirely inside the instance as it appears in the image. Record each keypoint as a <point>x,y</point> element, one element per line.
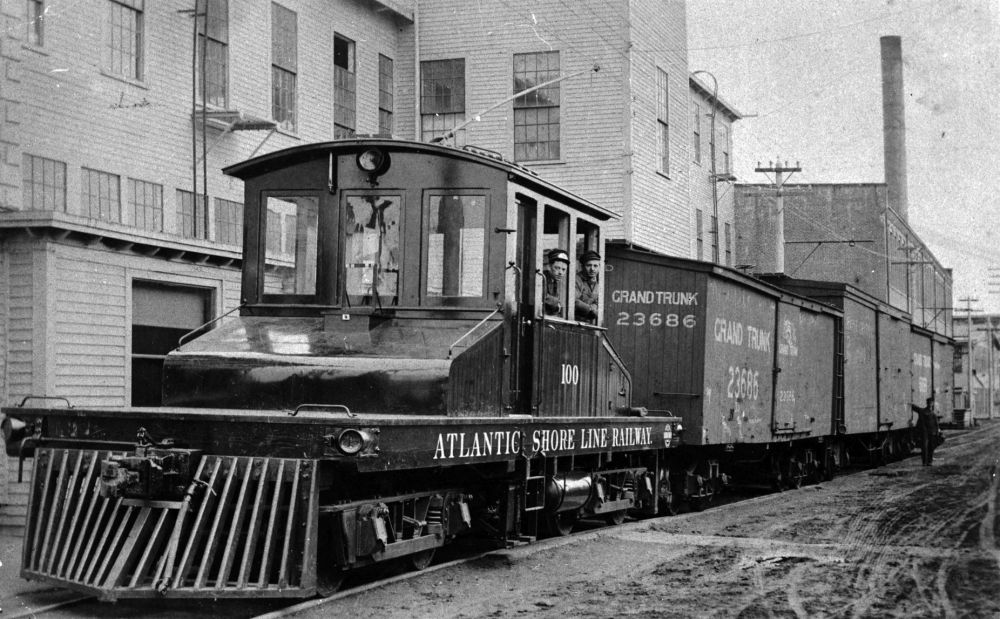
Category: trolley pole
<point>779,218</point>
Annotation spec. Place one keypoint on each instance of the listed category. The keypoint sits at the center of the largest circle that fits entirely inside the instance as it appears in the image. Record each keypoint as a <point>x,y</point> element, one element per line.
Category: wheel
<point>778,481</point>
<point>665,504</point>
<point>560,524</point>
<point>615,518</point>
<point>328,581</point>
<point>422,559</point>
<point>793,479</point>
<point>828,465</point>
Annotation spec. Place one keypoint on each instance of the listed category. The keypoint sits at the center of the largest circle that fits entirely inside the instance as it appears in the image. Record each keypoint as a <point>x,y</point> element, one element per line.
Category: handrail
<point>44,397</point>
<point>469,332</point>
<point>322,407</point>
<point>184,337</point>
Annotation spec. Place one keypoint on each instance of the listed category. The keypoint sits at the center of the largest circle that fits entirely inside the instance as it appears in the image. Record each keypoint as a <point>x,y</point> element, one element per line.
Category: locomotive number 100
<point>570,374</point>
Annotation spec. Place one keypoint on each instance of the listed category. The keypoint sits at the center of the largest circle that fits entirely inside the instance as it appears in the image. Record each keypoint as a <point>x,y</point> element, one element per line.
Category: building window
<point>385,95</point>
<point>344,88</point>
<point>100,195</point>
<point>729,245</point>
<point>213,38</point>
<point>696,132</point>
<point>662,122</point>
<point>146,205</point>
<point>36,22</point>
<point>698,233</point>
<point>442,97</point>
<point>536,114</point>
<point>192,220</point>
<point>723,148</point>
<point>43,184</point>
<point>715,239</point>
<point>125,45</point>
<point>284,66</point>
<point>228,222</point>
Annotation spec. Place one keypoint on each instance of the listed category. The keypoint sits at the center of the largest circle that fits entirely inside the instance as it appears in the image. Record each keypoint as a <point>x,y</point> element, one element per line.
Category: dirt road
<point>900,541</point>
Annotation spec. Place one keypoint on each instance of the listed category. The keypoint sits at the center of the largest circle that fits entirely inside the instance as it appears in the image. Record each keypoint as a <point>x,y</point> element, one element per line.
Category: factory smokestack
<point>894,124</point>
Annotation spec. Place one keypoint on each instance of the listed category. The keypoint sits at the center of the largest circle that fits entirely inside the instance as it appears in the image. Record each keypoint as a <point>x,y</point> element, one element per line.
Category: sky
<point>807,75</point>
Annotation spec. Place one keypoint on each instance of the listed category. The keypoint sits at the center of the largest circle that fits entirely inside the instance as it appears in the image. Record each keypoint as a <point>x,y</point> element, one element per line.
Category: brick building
<point>847,233</point>
<point>118,232</point>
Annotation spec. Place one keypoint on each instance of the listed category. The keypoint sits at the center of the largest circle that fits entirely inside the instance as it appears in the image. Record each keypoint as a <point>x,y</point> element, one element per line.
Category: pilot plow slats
<point>245,526</point>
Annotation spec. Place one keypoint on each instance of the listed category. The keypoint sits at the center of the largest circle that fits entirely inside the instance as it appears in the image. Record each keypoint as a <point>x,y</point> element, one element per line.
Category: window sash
<point>146,205</point>
<point>36,22</point>
<point>283,98</point>
<point>696,131</point>
<point>284,38</point>
<point>43,183</point>
<point>192,221</point>
<point>663,121</point>
<point>699,233</point>
<point>344,88</point>
<point>213,38</point>
<point>536,114</point>
<point>386,98</point>
<point>442,86</point>
<point>228,222</point>
<point>125,43</point>
<point>100,195</point>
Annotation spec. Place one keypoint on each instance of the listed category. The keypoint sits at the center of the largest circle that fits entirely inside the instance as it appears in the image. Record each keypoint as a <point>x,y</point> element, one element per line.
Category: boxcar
<point>748,368</point>
<point>877,366</point>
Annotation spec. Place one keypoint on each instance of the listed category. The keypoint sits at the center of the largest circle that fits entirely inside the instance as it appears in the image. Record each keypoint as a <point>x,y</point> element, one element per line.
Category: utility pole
<point>779,181</point>
<point>968,373</point>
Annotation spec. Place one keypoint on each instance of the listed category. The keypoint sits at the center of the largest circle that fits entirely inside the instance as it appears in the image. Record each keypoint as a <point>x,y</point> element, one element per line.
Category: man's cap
<point>558,255</point>
<point>587,256</point>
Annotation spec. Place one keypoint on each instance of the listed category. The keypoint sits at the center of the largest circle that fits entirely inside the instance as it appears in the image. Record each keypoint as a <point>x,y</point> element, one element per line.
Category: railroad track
<point>56,602</point>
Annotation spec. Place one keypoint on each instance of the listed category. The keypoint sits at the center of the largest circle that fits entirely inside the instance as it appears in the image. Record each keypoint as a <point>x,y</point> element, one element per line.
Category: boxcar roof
<point>810,287</point>
<point>724,272</point>
<point>308,152</point>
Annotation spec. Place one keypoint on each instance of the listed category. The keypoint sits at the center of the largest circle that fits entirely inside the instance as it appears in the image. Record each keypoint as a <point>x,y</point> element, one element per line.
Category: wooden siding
<point>921,367</point>
<point>803,392</point>
<point>660,213</point>
<point>476,377</point>
<point>590,114</point>
<point>860,368</point>
<point>665,362</point>
<point>894,372</point>
<point>83,116</point>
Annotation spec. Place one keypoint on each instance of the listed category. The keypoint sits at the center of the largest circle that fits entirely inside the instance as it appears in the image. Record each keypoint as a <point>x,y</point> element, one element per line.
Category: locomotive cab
<point>380,276</point>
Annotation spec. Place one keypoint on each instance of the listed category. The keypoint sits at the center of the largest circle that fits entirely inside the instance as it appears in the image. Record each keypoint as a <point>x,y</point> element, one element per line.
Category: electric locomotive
<point>390,381</point>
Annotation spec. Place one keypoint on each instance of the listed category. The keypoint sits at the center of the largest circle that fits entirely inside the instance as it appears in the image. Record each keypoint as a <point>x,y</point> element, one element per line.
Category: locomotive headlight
<point>374,161</point>
<point>353,441</point>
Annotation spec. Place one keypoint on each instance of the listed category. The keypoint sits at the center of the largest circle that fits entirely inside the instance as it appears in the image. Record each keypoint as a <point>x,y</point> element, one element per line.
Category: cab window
<point>371,250</point>
<point>555,285</point>
<point>292,244</point>
<point>455,245</point>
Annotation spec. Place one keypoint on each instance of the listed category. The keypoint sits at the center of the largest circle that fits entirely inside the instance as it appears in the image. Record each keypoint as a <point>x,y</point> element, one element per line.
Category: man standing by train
<point>927,429</point>
<point>587,289</point>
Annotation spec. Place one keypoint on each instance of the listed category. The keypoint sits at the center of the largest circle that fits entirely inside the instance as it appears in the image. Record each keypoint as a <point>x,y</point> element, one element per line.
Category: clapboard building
<point>118,232</point>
